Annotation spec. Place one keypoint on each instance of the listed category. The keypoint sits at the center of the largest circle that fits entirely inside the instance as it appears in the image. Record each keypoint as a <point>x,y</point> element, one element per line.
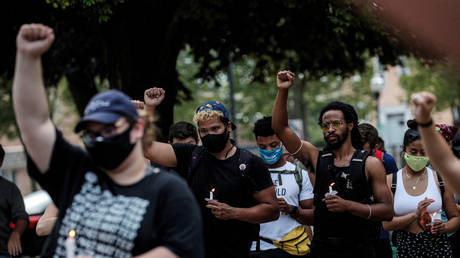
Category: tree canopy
<point>133,45</point>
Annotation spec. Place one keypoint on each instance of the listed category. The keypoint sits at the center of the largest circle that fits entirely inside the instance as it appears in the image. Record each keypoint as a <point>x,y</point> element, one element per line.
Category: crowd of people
<point>200,195</point>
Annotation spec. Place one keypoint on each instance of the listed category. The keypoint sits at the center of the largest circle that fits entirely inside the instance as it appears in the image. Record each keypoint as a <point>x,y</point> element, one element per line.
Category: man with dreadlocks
<point>350,192</point>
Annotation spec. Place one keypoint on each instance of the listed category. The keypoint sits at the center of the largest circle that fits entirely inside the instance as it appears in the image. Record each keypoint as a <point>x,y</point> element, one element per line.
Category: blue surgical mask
<point>271,156</point>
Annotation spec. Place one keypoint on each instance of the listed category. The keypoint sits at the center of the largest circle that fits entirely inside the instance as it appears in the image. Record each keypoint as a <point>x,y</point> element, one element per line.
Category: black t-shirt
<point>11,209</point>
<point>224,238</point>
<point>112,220</point>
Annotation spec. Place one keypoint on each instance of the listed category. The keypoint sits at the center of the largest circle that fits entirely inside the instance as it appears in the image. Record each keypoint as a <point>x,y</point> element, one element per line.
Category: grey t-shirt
<point>11,209</point>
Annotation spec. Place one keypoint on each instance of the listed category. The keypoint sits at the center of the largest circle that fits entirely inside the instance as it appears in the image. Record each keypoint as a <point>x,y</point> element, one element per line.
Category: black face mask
<point>111,152</point>
<point>215,143</point>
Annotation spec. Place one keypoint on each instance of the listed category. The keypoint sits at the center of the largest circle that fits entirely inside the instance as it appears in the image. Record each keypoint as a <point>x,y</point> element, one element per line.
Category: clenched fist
<point>34,39</point>
<point>285,79</point>
<point>154,96</point>
<point>423,106</point>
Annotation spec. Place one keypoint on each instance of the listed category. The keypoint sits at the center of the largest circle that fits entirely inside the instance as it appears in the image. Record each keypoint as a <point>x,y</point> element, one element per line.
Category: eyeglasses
<point>89,138</point>
<point>335,125</point>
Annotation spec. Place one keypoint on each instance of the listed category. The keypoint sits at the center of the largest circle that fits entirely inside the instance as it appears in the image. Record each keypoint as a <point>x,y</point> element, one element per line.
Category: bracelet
<point>295,212</point>
<point>297,151</point>
<point>427,124</point>
<point>370,211</point>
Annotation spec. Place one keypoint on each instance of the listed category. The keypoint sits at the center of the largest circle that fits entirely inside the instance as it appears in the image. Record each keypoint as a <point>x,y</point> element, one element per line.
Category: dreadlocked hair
<point>263,127</point>
<point>350,116</point>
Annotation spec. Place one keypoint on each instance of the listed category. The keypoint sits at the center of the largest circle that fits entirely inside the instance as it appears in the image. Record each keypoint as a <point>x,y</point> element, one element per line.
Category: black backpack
<point>357,164</point>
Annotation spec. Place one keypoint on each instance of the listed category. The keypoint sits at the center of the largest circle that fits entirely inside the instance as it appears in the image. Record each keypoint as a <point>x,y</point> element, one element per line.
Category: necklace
<point>226,154</point>
<point>416,182</point>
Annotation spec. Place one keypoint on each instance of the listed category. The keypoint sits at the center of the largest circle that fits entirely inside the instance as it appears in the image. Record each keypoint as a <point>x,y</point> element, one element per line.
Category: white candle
<point>211,194</point>
<point>330,187</point>
<point>70,244</point>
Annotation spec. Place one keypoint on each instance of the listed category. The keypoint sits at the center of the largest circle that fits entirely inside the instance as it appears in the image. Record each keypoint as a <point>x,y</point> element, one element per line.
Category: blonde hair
<point>206,115</point>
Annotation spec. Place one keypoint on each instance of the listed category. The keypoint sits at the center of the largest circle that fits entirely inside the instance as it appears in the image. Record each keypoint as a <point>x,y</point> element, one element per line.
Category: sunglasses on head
<point>334,123</point>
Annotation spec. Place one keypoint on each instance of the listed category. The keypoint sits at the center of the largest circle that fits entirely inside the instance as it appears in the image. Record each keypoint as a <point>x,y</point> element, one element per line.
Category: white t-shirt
<point>289,190</point>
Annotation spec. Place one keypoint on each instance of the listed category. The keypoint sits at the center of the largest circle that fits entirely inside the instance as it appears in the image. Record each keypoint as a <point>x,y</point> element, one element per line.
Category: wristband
<point>427,124</point>
<point>370,211</point>
<point>297,151</point>
<point>295,212</point>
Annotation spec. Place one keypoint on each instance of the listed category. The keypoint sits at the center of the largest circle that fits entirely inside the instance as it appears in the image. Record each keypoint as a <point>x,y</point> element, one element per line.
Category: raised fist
<point>285,79</point>
<point>154,96</point>
<point>34,39</point>
<point>423,104</point>
<point>139,104</point>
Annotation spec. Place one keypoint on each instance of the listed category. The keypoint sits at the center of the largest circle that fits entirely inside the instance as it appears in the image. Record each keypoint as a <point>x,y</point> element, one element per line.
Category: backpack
<point>357,164</point>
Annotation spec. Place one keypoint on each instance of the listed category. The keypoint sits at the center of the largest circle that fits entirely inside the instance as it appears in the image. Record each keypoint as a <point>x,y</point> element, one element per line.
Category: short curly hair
<point>182,130</point>
<point>263,127</point>
<point>369,134</point>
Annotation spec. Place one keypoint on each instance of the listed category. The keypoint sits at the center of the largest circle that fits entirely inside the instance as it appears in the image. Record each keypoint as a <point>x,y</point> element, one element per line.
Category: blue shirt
<point>389,163</point>
<point>390,166</point>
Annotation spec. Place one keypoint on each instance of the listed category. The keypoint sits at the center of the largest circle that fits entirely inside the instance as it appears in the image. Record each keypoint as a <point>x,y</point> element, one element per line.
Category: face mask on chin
<point>416,163</point>
<point>215,143</point>
<point>111,152</point>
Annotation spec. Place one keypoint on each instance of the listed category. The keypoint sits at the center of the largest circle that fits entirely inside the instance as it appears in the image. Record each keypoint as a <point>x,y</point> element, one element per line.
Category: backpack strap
<point>297,172</point>
<point>324,164</point>
<point>298,175</point>
<point>441,183</point>
<point>394,182</point>
<point>358,160</point>
<point>358,165</point>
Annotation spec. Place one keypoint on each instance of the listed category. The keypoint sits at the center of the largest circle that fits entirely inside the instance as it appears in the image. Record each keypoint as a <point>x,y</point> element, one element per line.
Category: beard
<point>338,141</point>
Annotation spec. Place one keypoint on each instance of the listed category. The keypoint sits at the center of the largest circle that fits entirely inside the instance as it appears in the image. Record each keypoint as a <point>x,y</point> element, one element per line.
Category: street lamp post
<point>377,85</point>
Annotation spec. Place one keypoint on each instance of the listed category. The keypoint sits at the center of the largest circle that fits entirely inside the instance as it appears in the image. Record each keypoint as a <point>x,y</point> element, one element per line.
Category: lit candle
<point>70,244</point>
<point>211,194</point>
<point>330,187</point>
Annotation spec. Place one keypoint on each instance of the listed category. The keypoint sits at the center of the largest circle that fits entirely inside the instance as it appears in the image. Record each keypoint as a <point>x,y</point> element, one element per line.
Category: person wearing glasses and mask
<point>419,199</point>
<point>350,191</point>
<point>112,201</point>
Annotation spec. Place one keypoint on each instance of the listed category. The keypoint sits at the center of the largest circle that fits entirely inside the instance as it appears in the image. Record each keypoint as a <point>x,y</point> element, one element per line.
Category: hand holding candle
<point>70,244</point>
<point>331,191</point>
<point>211,195</point>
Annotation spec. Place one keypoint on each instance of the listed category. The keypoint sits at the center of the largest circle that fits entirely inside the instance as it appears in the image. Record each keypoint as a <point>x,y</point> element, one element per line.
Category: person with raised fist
<point>110,201</point>
<point>437,149</point>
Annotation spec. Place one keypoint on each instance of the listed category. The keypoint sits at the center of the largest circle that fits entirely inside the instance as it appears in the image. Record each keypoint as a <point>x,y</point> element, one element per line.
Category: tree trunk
<point>141,56</point>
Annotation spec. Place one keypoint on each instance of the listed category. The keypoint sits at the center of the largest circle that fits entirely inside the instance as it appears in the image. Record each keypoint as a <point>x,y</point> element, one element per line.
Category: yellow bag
<point>295,242</point>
